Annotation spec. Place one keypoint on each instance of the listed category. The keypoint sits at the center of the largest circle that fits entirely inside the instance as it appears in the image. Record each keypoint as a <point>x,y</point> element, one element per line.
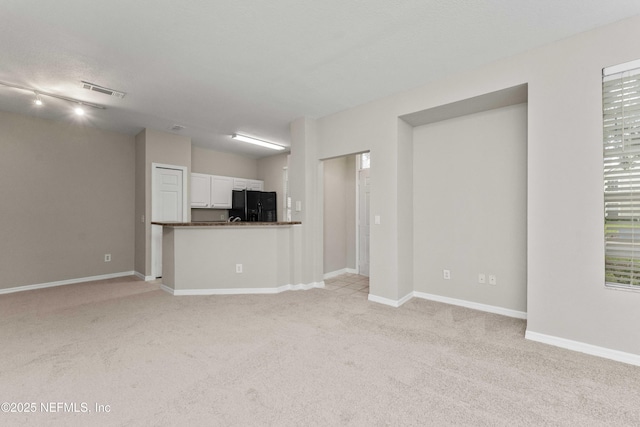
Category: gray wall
<point>270,170</point>
<point>470,207</point>
<point>339,213</point>
<point>566,296</point>
<point>157,147</point>
<point>213,162</point>
<point>67,196</point>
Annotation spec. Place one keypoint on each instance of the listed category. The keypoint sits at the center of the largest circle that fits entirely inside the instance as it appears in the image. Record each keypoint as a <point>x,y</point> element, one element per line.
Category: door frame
<point>185,200</point>
<point>357,196</point>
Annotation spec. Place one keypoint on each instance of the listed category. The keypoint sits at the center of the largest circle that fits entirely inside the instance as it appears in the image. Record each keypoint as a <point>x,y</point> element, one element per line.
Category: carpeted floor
<point>301,358</point>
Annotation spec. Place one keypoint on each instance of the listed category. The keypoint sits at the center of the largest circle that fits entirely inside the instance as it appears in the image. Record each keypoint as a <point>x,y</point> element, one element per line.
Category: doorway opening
<point>346,214</point>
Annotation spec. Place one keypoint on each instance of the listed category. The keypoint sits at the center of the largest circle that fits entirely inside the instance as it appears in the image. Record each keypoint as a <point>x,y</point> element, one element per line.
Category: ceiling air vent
<point>101,89</point>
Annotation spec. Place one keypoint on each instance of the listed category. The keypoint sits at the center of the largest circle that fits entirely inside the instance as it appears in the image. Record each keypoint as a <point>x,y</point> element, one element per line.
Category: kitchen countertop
<point>225,224</point>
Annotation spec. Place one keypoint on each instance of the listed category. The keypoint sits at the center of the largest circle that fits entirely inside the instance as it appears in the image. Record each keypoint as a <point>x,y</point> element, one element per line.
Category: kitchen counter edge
<point>226,224</point>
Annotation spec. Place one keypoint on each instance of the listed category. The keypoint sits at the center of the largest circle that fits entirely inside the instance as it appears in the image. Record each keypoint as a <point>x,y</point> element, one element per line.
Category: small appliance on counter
<point>254,206</point>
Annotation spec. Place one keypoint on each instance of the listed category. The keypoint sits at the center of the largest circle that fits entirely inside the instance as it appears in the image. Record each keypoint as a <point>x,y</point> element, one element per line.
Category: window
<point>621,149</point>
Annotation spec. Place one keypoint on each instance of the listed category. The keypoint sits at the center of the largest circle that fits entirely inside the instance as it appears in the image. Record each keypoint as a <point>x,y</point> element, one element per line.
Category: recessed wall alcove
<point>469,200</point>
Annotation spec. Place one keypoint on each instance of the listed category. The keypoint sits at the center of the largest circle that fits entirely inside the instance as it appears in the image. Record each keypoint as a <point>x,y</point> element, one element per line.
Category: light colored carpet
<point>294,359</point>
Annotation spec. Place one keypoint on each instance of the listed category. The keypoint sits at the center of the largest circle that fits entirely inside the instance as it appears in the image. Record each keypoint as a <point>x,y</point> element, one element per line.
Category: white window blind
<point>621,137</point>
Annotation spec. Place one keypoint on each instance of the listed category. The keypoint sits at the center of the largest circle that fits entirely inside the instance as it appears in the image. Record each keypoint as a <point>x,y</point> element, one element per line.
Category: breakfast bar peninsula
<point>207,258</point>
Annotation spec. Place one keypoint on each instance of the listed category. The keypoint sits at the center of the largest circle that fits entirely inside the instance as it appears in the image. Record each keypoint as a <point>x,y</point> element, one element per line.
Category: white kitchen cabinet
<point>239,184</point>
<point>255,185</point>
<point>216,192</point>
<point>221,192</point>
<point>200,190</point>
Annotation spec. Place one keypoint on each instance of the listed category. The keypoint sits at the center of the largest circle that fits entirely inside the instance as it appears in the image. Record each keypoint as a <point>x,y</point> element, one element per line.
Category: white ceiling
<point>252,66</point>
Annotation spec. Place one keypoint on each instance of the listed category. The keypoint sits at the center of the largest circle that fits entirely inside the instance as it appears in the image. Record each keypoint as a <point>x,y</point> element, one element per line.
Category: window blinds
<point>621,137</point>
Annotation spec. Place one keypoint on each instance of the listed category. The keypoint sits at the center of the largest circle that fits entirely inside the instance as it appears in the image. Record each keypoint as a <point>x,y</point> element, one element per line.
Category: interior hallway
<point>347,284</point>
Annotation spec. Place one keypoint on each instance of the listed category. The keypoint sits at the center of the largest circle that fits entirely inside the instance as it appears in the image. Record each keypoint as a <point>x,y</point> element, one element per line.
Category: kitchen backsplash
<point>209,215</point>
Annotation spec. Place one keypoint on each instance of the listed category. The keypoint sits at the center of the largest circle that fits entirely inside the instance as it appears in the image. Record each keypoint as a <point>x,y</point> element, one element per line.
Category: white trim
<point>143,277</point>
<point>621,68</point>
<point>473,305</point>
<point>357,218</point>
<point>405,298</point>
<point>389,302</point>
<point>66,282</point>
<point>337,273</point>
<point>593,350</point>
<point>462,303</point>
<point>241,291</point>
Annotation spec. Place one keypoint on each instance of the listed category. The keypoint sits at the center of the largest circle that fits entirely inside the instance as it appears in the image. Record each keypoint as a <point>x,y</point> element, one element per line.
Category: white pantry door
<point>167,205</point>
<point>363,221</point>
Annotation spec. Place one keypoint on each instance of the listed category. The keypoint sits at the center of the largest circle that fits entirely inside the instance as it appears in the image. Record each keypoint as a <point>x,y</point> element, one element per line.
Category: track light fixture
<point>256,141</point>
<point>38,93</point>
<point>37,101</point>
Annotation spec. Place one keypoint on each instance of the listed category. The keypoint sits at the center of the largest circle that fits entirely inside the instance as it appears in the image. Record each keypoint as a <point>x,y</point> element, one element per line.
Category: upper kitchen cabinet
<point>240,183</point>
<point>255,185</point>
<point>216,192</point>
<point>221,192</point>
<point>200,190</point>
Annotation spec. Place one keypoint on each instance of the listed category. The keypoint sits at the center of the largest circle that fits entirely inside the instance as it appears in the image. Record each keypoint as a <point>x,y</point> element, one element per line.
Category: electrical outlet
<point>238,268</point>
<point>107,257</point>
<point>493,280</point>
<point>482,278</point>
<point>446,274</point>
<point>222,217</point>
<point>142,219</point>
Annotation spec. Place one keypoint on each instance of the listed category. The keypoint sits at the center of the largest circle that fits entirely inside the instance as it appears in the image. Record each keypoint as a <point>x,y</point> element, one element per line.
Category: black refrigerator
<point>254,206</point>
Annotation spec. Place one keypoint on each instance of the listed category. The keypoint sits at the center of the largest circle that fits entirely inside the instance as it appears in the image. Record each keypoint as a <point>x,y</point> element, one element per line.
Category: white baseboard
<point>242,291</point>
<point>143,277</point>
<point>468,304</point>
<point>66,282</point>
<point>388,301</point>
<point>473,305</point>
<point>593,350</point>
<point>337,273</point>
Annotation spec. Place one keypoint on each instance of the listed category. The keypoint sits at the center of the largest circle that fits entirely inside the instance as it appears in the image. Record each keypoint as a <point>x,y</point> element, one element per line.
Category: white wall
<point>470,207</point>
<point>566,296</point>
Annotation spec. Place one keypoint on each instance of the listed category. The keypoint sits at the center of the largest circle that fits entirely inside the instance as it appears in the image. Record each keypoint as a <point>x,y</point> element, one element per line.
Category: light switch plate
<point>376,219</point>
<point>298,206</point>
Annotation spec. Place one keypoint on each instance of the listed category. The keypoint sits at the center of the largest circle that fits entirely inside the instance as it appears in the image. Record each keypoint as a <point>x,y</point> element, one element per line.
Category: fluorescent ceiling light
<point>257,142</point>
